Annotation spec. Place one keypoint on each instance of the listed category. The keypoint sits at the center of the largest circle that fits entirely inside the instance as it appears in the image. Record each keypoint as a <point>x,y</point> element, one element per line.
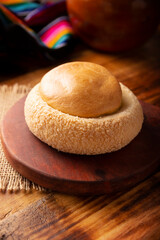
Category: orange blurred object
<point>112,25</point>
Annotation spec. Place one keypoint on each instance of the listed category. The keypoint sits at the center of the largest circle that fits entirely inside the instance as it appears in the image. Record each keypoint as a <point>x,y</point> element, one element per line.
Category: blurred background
<point>35,34</point>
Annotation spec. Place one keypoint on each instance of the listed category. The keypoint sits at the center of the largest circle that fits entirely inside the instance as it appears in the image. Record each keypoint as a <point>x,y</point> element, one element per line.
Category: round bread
<point>81,89</point>
<point>79,135</point>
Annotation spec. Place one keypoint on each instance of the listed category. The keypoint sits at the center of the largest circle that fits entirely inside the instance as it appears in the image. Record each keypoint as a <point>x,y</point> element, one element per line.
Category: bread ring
<point>78,135</point>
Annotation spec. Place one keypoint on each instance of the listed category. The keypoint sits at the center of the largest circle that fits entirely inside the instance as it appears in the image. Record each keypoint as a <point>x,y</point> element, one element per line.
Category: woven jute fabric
<point>11,180</point>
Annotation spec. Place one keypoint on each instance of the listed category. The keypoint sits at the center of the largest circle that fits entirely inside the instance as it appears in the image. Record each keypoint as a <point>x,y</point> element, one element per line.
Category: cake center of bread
<point>81,89</point>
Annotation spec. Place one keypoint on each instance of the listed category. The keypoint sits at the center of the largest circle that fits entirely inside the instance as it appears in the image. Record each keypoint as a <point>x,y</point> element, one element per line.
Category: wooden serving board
<point>76,174</point>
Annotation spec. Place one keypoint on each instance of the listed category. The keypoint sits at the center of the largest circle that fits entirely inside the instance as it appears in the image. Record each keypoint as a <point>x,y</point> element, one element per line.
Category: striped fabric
<point>6,16</point>
<point>7,2</point>
<point>20,7</point>
<point>47,22</point>
<point>56,33</point>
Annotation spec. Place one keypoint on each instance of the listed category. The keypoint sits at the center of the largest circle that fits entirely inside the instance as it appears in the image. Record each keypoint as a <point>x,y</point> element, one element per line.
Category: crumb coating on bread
<point>78,135</point>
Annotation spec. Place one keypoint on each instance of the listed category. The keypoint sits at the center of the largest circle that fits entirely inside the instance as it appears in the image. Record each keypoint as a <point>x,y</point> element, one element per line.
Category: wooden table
<point>134,214</point>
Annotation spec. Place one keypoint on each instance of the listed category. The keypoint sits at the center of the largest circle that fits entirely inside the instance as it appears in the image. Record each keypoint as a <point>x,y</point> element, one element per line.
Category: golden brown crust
<point>81,89</point>
<point>84,135</point>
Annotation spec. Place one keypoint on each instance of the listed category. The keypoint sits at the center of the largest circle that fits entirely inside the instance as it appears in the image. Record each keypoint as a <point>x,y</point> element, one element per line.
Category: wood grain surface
<point>131,215</point>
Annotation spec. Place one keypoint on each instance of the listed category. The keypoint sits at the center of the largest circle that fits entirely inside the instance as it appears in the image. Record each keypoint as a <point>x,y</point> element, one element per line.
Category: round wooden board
<point>76,174</point>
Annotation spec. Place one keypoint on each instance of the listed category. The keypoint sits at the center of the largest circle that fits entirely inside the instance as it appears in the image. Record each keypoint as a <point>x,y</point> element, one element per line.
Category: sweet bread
<point>81,89</point>
<point>83,135</point>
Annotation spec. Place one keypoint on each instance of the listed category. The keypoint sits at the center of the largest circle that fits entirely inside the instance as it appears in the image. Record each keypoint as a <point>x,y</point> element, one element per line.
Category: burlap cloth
<point>11,180</point>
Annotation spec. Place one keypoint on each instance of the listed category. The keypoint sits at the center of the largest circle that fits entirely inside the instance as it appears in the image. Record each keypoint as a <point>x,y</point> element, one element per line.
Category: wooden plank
<point>133,215</point>
<point>11,203</point>
<point>98,174</point>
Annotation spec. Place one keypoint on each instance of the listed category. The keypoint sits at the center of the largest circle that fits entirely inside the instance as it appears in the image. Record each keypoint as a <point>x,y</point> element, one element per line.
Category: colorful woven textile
<point>33,24</point>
